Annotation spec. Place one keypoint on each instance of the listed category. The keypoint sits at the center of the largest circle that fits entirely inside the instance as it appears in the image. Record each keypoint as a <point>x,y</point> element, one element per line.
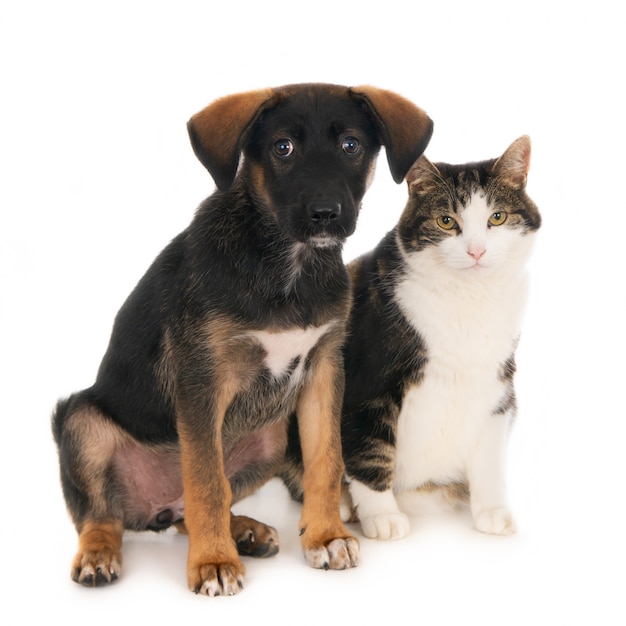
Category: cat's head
<point>475,217</point>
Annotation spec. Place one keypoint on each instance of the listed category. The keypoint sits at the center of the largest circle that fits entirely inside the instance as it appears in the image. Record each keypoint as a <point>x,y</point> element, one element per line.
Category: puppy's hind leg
<point>87,441</point>
<point>98,561</point>
<point>250,464</point>
<point>253,538</point>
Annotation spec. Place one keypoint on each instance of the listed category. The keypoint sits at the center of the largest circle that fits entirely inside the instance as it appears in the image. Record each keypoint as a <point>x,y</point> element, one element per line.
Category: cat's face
<point>478,234</point>
<point>471,218</point>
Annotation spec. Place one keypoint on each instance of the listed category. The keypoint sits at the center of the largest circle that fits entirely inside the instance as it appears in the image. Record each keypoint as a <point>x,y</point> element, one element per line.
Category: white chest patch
<point>283,348</point>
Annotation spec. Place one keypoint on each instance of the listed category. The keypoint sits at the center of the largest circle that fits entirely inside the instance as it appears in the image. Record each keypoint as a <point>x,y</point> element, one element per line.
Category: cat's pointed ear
<point>514,164</point>
<point>422,175</point>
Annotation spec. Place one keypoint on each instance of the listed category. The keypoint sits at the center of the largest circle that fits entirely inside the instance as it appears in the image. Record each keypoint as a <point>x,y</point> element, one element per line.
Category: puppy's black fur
<point>237,324</point>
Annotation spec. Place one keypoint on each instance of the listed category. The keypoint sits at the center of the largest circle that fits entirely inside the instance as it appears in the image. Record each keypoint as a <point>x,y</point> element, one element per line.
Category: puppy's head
<point>309,150</point>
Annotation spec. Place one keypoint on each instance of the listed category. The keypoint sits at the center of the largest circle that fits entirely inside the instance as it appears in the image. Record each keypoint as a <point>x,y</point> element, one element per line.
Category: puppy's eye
<point>351,145</point>
<point>497,218</point>
<point>446,222</point>
<point>283,147</point>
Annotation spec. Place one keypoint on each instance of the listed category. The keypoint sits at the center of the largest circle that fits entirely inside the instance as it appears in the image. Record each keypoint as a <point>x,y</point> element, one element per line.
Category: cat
<point>430,354</point>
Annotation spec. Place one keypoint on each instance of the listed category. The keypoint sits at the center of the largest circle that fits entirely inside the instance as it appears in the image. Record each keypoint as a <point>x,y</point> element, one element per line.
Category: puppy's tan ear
<point>219,132</point>
<point>403,128</point>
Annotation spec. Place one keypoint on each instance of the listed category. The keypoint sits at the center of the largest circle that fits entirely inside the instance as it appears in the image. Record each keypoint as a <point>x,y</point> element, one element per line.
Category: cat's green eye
<point>498,218</point>
<point>446,222</point>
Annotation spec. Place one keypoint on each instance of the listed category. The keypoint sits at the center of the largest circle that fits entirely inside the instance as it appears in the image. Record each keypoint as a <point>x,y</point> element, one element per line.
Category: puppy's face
<point>311,158</point>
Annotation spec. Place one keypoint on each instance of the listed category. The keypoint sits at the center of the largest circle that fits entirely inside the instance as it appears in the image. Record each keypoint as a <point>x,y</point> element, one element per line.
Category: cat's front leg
<point>369,435</point>
<point>486,476</point>
<point>378,512</point>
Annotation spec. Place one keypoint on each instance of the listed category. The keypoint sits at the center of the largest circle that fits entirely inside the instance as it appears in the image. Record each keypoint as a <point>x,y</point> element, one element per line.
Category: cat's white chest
<point>288,348</point>
<point>470,332</point>
<point>440,424</point>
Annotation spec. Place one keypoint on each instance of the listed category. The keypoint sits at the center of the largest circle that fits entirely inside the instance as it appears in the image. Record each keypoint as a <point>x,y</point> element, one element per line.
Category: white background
<point>97,175</point>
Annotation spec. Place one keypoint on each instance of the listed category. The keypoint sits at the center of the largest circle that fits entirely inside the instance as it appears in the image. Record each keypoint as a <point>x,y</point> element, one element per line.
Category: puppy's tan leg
<point>325,541</point>
<point>213,565</point>
<point>206,386</point>
<point>99,558</point>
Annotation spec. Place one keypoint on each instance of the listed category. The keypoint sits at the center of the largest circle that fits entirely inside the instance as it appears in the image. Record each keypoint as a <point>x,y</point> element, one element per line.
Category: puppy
<point>237,324</point>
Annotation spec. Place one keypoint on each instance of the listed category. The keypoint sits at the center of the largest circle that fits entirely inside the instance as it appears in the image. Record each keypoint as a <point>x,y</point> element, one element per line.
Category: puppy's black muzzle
<point>323,214</point>
<point>323,221</point>
<point>318,202</point>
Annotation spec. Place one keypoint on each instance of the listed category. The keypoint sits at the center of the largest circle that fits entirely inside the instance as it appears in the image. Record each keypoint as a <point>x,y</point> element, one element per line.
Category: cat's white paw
<point>386,526</point>
<point>379,513</point>
<point>495,521</point>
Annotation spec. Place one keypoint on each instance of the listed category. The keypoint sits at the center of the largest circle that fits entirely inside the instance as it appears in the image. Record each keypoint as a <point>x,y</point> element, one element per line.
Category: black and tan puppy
<point>238,323</point>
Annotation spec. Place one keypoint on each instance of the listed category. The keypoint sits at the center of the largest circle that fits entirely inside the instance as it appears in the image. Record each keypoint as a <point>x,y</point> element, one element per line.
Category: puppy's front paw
<point>216,579</point>
<point>341,553</point>
<point>386,526</point>
<point>497,521</point>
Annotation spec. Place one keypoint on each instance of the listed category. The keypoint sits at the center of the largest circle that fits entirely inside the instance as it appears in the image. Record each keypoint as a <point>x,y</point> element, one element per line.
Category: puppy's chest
<point>285,352</point>
<point>273,367</point>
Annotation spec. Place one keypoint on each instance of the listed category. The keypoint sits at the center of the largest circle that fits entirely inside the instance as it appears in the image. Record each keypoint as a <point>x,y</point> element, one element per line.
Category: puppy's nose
<point>324,214</point>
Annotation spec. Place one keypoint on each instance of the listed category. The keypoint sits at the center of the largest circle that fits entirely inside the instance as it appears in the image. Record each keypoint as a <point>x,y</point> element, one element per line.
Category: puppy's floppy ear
<point>219,132</point>
<point>404,129</point>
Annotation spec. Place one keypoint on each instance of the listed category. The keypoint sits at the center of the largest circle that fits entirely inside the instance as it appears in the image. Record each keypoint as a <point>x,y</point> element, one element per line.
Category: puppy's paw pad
<point>386,526</point>
<point>338,554</point>
<point>497,521</point>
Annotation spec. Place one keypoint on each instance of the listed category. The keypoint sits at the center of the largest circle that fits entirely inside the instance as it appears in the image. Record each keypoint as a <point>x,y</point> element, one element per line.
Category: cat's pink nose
<point>476,253</point>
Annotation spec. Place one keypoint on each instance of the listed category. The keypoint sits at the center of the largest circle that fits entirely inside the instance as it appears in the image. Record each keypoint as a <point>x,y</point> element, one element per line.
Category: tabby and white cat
<point>430,354</point>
